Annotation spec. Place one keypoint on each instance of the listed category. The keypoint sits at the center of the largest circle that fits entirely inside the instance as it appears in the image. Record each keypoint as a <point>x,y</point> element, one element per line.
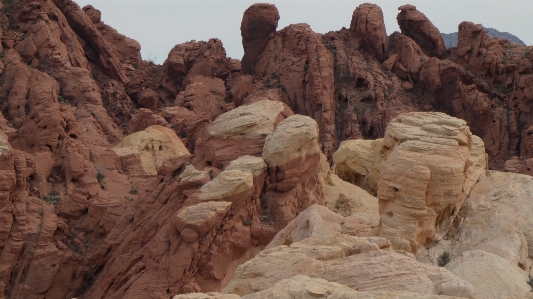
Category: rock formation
<point>258,23</point>
<point>414,24</point>
<point>152,146</point>
<point>345,260</point>
<point>426,174</point>
<point>291,153</point>
<point>241,131</point>
<point>121,178</point>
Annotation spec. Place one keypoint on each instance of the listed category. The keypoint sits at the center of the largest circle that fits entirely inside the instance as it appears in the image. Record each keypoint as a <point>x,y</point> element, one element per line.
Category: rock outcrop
<point>491,275</point>
<point>426,174</point>
<point>415,25</point>
<point>346,260</point>
<point>241,131</point>
<point>357,161</point>
<point>258,23</point>
<point>292,155</point>
<point>121,178</point>
<point>367,23</point>
<point>152,146</point>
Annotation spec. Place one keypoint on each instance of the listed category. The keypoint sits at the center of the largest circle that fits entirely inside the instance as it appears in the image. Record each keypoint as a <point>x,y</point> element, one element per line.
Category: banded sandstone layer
<point>125,179</point>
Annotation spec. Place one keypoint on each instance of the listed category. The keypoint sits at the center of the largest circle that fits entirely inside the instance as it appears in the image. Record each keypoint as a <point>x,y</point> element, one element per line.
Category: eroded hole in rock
<point>390,214</point>
<point>361,83</point>
<point>367,100</point>
<point>73,136</point>
<point>160,147</point>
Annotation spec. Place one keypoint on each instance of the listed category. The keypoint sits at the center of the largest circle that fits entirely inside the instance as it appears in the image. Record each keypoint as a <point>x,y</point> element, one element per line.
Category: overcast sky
<point>159,25</point>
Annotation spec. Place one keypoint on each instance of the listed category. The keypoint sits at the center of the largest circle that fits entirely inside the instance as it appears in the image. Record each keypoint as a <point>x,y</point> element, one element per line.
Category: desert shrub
<point>52,197</point>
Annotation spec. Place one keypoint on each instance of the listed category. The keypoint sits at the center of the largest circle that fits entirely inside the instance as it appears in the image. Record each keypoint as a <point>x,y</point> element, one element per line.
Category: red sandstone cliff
<point>79,219</point>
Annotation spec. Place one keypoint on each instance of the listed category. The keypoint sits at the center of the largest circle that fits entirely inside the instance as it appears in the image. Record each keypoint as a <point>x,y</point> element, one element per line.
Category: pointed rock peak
<point>368,24</point>
<point>417,26</point>
<point>258,22</point>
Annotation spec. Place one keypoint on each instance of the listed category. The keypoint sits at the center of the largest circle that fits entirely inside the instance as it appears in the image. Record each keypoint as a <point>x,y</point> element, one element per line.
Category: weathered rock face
<point>346,199</point>
<point>414,24</point>
<point>190,59</point>
<point>152,146</point>
<point>356,98</point>
<point>292,155</point>
<point>345,260</point>
<point>310,288</point>
<point>241,131</point>
<point>204,229</point>
<point>499,202</point>
<point>357,161</point>
<point>426,174</point>
<point>296,61</point>
<point>79,221</point>
<point>367,23</point>
<point>258,23</point>
<point>491,275</point>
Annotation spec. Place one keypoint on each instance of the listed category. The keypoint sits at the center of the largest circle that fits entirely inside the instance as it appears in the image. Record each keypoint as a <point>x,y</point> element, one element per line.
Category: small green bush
<point>52,197</point>
<point>134,191</point>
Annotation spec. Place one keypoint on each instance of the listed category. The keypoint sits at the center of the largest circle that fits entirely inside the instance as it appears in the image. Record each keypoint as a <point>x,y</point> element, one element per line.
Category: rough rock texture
<point>415,25</point>
<point>301,286</point>
<point>497,219</point>
<point>190,59</point>
<point>317,221</point>
<point>352,261</point>
<point>153,145</point>
<point>79,221</point>
<point>206,296</point>
<point>367,22</point>
<point>292,155</point>
<point>258,23</point>
<point>347,199</point>
<point>241,131</point>
<point>357,161</point>
<point>491,275</point>
<point>426,174</point>
<point>188,220</point>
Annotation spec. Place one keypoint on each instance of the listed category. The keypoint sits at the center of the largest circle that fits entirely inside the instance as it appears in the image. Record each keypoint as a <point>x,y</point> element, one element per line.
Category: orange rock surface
<point>248,143</point>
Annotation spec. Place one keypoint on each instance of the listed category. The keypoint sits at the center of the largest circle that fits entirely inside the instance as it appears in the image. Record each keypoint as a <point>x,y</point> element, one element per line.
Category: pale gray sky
<point>158,25</point>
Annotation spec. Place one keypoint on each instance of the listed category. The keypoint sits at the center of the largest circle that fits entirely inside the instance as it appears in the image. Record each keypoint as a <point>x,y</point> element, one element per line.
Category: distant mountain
<point>450,39</point>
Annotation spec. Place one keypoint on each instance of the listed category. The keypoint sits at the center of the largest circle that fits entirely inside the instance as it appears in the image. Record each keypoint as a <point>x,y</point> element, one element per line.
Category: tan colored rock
<point>319,221</point>
<point>305,287</point>
<point>292,154</point>
<point>295,137</point>
<point>191,174</point>
<point>227,184</point>
<point>154,145</point>
<point>257,120</point>
<point>492,276</point>
<point>347,199</point>
<point>425,177</point>
<point>255,165</point>
<point>206,296</point>
<point>239,132</point>
<point>316,221</point>
<point>497,219</point>
<point>203,216</point>
<point>357,161</point>
<point>355,262</point>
